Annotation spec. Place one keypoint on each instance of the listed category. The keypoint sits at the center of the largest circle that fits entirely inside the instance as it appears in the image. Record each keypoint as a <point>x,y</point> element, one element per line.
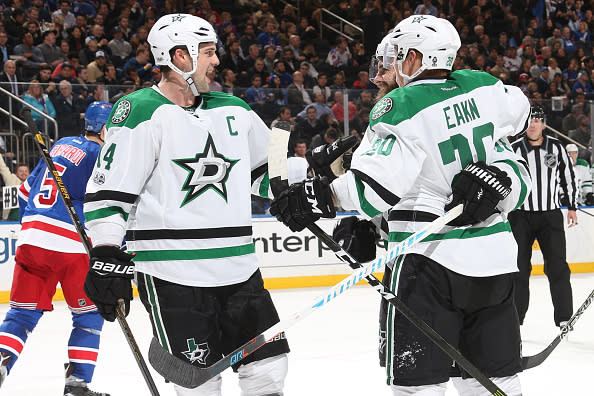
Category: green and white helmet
<point>183,31</point>
<point>435,38</point>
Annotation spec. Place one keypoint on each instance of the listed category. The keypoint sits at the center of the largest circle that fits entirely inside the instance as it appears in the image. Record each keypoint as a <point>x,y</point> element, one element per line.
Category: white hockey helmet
<point>435,38</point>
<point>180,30</point>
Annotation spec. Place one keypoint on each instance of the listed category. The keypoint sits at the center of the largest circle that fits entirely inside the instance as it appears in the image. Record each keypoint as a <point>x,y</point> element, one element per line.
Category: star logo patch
<point>208,170</point>
<point>418,19</point>
<point>196,352</point>
<point>177,18</point>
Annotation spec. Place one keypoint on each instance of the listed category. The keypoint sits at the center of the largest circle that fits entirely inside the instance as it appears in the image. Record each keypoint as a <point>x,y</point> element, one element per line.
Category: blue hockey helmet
<point>97,115</point>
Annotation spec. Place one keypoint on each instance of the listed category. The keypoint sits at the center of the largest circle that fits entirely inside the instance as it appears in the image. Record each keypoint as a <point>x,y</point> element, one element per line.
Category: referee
<point>540,217</point>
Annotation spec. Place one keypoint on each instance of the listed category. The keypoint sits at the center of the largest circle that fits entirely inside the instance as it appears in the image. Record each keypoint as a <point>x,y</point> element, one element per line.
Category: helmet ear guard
<point>97,115</point>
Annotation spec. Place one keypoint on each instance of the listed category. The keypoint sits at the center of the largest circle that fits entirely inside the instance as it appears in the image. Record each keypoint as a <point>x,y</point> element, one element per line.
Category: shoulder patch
<point>121,112</point>
<point>381,108</point>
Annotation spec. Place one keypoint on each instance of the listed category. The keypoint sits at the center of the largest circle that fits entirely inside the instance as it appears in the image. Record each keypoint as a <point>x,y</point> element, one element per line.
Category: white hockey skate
<point>4,358</point>
<point>76,386</point>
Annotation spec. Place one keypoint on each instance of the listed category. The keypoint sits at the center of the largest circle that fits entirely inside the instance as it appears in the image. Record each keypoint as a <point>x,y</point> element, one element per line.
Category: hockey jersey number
<point>459,142</point>
<point>48,191</point>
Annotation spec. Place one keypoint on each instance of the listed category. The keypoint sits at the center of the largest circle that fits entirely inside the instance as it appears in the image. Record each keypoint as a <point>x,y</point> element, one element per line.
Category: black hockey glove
<point>303,203</point>
<point>357,237</point>
<point>589,201</point>
<point>479,187</point>
<point>326,159</point>
<point>108,279</point>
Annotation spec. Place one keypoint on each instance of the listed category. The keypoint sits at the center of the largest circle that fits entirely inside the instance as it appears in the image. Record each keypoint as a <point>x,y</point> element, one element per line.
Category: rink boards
<point>290,260</point>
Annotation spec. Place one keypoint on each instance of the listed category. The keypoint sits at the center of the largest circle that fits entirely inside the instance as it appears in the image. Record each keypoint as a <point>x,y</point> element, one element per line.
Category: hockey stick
<point>87,244</point>
<point>182,373</point>
<point>277,170</point>
<point>529,362</point>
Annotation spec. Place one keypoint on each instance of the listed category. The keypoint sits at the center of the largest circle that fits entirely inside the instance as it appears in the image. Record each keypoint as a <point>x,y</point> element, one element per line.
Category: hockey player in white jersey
<point>438,140</point>
<point>175,178</point>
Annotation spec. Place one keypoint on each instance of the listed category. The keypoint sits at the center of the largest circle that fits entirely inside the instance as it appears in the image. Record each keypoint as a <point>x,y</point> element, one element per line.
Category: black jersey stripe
<point>259,171</point>
<point>411,215</point>
<point>110,195</point>
<point>383,193</point>
<point>189,233</point>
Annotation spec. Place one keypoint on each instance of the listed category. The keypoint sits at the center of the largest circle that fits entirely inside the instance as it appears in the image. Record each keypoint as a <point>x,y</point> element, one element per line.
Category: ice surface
<point>333,350</point>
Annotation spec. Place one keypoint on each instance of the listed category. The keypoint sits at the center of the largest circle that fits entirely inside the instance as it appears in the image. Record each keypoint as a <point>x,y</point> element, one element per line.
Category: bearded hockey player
<point>438,140</point>
<point>175,178</point>
<point>50,251</point>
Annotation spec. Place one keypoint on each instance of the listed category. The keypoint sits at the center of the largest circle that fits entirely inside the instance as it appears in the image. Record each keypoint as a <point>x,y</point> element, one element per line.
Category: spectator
<point>255,94</point>
<point>269,36</point>
<point>41,101</point>
<point>582,84</point>
<point>362,82</point>
<point>249,39</point>
<point>66,73</point>
<point>320,105</point>
<point>300,148</point>
<point>87,54</point>
<point>253,54</point>
<point>295,46</point>
<point>426,8</point>
<point>307,127</point>
<point>44,77</point>
<point>69,110</point>
<point>141,64</point>
<point>511,60</point>
<point>338,108</point>
<point>568,44</point>
<point>157,75</point>
<point>64,12</point>
<point>284,115</point>
<point>269,58</point>
<point>571,73</point>
<point>232,59</point>
<point>279,70</point>
<point>5,48</point>
<point>110,79</point>
<point>120,48</point>
<point>543,80</point>
<point>554,68</point>
<point>258,69</point>
<point>322,86</point>
<point>13,25</point>
<point>228,77</point>
<point>365,99</point>
<point>583,135</point>
<point>308,81</point>
<point>33,58</point>
<point>339,55</point>
<point>338,82</point>
<point>536,68</point>
<point>97,93</point>
<point>97,68</point>
<point>570,120</point>
<point>9,80</point>
<point>52,54</point>
<point>297,93</point>
<point>499,68</point>
<point>329,136</point>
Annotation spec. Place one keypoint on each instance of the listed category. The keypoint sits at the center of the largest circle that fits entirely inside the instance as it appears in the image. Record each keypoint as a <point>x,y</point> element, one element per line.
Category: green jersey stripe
<point>456,234</point>
<point>105,212</point>
<point>157,320</point>
<point>523,187</point>
<point>365,205</point>
<point>194,254</point>
<point>264,184</point>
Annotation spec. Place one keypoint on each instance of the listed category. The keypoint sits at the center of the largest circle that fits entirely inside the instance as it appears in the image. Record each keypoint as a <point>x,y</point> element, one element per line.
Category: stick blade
<point>174,369</point>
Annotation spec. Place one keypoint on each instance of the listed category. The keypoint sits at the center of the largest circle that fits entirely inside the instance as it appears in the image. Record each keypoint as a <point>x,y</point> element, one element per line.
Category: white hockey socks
<point>264,377</point>
<point>421,390</point>
<point>470,387</point>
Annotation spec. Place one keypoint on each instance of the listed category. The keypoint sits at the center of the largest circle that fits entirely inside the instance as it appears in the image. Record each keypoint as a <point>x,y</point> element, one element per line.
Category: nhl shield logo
<point>381,108</point>
<point>121,112</point>
<point>550,160</point>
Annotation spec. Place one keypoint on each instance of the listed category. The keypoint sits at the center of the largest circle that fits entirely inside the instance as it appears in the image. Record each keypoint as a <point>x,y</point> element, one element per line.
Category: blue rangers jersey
<point>44,218</point>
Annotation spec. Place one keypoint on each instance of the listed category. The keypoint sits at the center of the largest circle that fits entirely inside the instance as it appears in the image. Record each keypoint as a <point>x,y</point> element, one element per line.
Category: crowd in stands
<point>274,56</point>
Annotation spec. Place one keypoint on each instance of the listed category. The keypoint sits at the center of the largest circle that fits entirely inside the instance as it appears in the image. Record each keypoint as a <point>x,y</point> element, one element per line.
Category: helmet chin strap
<point>405,77</point>
<point>187,75</point>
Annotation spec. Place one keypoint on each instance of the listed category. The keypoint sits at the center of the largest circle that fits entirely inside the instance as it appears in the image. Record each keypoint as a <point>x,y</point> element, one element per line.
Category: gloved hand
<point>303,203</point>
<point>108,279</point>
<point>326,159</point>
<point>589,199</point>
<point>357,237</point>
<point>479,187</point>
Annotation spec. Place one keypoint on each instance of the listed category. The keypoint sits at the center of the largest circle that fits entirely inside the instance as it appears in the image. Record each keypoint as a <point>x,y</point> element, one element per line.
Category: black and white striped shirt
<point>550,169</point>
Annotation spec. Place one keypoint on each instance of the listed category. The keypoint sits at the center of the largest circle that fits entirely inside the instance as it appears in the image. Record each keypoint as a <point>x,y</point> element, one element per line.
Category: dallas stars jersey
<point>419,138</point>
<point>45,220</point>
<point>178,183</point>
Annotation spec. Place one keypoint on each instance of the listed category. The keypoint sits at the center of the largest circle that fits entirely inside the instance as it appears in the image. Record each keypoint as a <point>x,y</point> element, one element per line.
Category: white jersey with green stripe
<point>177,183</point>
<point>419,138</point>
<point>583,179</point>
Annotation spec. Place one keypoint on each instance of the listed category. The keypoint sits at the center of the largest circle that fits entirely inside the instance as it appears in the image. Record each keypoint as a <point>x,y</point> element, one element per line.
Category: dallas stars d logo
<point>196,353</point>
<point>207,170</point>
